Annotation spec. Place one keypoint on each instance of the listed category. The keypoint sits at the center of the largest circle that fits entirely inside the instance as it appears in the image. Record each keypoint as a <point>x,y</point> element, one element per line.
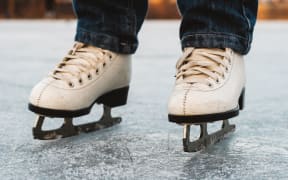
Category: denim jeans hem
<point>215,40</point>
<point>105,41</point>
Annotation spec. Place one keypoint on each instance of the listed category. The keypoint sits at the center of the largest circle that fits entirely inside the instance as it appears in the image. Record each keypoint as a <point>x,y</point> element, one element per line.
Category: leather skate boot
<point>85,76</point>
<point>209,86</point>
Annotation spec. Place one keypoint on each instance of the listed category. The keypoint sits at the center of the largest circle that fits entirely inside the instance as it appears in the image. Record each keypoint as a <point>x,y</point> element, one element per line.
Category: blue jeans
<point>114,24</point>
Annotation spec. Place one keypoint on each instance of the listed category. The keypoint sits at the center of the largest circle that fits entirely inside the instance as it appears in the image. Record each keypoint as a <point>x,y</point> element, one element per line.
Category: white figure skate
<point>87,75</point>
<point>210,86</point>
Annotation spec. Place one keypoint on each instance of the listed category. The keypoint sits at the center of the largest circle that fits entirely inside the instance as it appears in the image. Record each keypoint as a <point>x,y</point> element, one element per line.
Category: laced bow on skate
<point>81,60</point>
<point>203,66</point>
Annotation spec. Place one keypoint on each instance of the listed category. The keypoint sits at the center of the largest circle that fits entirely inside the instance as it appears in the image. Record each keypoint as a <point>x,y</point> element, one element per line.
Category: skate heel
<point>242,100</point>
<point>114,98</point>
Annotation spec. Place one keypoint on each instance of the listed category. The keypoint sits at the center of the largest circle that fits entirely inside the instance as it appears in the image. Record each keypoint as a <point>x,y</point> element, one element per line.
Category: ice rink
<point>145,145</point>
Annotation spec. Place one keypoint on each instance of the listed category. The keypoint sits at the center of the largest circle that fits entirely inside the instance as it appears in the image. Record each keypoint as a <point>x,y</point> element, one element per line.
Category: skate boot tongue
<point>202,67</point>
<point>80,60</point>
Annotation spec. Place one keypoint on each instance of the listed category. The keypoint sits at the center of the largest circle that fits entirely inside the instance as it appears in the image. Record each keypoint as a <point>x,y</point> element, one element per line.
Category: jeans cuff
<point>216,40</point>
<point>105,41</point>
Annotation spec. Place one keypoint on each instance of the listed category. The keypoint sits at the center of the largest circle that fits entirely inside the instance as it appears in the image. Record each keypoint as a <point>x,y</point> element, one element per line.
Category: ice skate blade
<point>68,129</point>
<point>205,139</point>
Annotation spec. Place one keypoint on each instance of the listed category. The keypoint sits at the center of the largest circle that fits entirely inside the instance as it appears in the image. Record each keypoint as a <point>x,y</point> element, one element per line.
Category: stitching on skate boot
<point>210,117</point>
<point>113,98</point>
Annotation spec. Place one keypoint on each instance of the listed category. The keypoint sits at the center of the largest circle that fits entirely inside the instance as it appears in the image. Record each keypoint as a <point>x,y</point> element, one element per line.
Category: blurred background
<point>158,9</point>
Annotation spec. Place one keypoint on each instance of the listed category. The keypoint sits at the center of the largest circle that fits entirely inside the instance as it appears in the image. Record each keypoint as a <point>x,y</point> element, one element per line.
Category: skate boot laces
<point>82,62</point>
<point>203,68</point>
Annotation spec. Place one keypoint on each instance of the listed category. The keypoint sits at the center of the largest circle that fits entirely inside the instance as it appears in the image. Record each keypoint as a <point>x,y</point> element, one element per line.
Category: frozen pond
<point>144,145</point>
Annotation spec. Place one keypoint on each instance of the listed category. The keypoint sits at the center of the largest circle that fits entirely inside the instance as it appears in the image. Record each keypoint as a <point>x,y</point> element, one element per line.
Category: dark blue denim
<point>114,24</point>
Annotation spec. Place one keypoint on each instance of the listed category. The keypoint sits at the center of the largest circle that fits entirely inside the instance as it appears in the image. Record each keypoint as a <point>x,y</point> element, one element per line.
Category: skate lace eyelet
<point>210,85</point>
<point>80,81</point>
<point>97,71</point>
<point>89,76</point>
<point>71,84</point>
<point>104,64</point>
<point>217,81</point>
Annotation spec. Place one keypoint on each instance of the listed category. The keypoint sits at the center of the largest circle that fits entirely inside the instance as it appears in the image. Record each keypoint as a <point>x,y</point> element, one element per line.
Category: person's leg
<point>218,23</point>
<point>96,70</point>
<point>214,36</point>
<point>210,79</point>
<point>111,25</point>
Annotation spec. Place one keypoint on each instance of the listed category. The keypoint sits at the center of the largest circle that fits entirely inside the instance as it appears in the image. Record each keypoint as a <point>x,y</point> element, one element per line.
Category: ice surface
<point>144,145</point>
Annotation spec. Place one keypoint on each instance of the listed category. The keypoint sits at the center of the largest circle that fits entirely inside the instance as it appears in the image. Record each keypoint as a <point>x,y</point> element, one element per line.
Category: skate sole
<point>203,118</point>
<point>190,119</point>
<point>111,99</point>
